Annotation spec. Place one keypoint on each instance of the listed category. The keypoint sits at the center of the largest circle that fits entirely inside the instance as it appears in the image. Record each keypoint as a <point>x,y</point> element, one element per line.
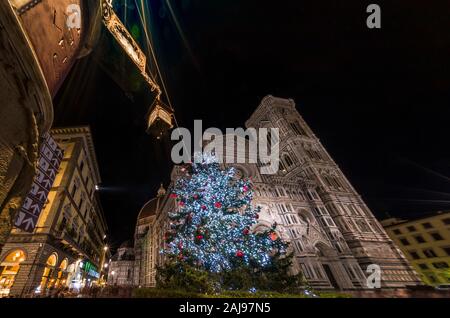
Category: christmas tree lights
<point>213,226</point>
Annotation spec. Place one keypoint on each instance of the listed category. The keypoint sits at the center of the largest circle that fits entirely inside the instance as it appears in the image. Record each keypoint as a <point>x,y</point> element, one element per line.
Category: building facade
<point>426,243</point>
<point>121,266</point>
<point>33,65</point>
<point>66,248</point>
<point>334,235</point>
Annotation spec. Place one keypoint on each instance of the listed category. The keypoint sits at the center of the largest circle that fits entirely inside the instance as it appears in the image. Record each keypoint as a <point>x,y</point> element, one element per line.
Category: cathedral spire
<point>161,191</point>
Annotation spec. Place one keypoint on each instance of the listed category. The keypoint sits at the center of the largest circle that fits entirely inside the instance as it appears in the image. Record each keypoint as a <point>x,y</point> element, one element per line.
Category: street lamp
<point>102,263</point>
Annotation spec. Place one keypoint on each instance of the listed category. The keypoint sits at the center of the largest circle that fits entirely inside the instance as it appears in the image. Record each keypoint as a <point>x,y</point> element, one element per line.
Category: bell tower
<point>339,209</point>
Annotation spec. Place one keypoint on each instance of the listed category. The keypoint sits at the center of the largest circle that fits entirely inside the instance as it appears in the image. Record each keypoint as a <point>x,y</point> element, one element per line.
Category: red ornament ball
<point>199,237</point>
<point>195,196</point>
<point>240,254</point>
<point>245,232</point>
<point>173,195</point>
<point>273,236</point>
<point>203,207</point>
<point>181,203</point>
<point>218,205</point>
<point>245,188</point>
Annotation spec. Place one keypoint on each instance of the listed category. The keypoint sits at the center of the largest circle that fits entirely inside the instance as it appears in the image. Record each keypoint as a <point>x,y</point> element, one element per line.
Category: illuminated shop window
<point>9,268</point>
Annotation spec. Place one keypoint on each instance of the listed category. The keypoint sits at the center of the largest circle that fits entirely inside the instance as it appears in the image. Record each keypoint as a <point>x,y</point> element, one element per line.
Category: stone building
<point>67,245</point>
<point>33,65</point>
<point>121,266</point>
<point>334,235</point>
<point>426,243</point>
<point>148,238</point>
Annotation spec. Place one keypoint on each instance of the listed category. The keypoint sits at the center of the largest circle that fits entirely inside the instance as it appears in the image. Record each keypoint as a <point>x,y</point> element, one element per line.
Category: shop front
<point>9,267</point>
<point>84,275</point>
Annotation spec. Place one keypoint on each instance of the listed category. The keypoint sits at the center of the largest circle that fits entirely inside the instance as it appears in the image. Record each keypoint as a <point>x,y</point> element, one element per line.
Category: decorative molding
<point>23,6</point>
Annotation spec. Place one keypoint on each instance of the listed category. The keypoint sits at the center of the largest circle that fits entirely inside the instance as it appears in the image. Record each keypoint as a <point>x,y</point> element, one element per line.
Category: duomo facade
<point>332,232</point>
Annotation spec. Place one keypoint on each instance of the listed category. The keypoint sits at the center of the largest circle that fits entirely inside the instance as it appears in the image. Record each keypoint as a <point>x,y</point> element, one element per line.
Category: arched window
<point>9,268</point>
<point>62,275</point>
<point>48,280</point>
<point>297,128</point>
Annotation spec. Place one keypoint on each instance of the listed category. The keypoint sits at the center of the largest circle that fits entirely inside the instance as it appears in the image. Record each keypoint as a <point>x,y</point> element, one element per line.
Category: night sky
<point>378,99</point>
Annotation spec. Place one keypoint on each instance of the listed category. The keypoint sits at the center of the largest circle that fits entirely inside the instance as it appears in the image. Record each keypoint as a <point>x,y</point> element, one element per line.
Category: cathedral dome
<point>126,244</point>
<point>149,208</point>
<point>152,206</point>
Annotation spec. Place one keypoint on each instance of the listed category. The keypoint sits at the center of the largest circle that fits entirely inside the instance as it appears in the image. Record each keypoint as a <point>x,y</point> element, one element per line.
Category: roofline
<point>261,109</point>
<point>416,219</point>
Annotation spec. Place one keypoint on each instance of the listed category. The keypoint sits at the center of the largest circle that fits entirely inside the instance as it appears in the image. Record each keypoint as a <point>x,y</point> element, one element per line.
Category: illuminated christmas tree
<point>212,228</point>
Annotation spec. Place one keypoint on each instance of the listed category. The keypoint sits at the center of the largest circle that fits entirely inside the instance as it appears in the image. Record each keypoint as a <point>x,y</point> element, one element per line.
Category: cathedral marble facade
<point>332,232</point>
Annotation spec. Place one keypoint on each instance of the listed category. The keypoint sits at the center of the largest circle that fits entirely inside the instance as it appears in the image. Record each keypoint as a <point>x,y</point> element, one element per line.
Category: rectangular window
<point>419,239</point>
<point>429,253</point>
<point>405,242</point>
<point>423,266</point>
<point>287,220</point>
<point>427,225</point>
<point>353,209</point>
<point>397,232</point>
<point>324,211</point>
<point>414,255</point>
<point>440,265</point>
<point>317,210</point>
<point>329,222</point>
<point>411,228</point>
<point>294,219</point>
<point>446,250</point>
<point>446,221</point>
<point>436,236</point>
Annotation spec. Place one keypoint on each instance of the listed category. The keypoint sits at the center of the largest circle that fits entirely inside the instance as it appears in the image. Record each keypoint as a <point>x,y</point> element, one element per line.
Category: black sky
<point>378,99</point>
